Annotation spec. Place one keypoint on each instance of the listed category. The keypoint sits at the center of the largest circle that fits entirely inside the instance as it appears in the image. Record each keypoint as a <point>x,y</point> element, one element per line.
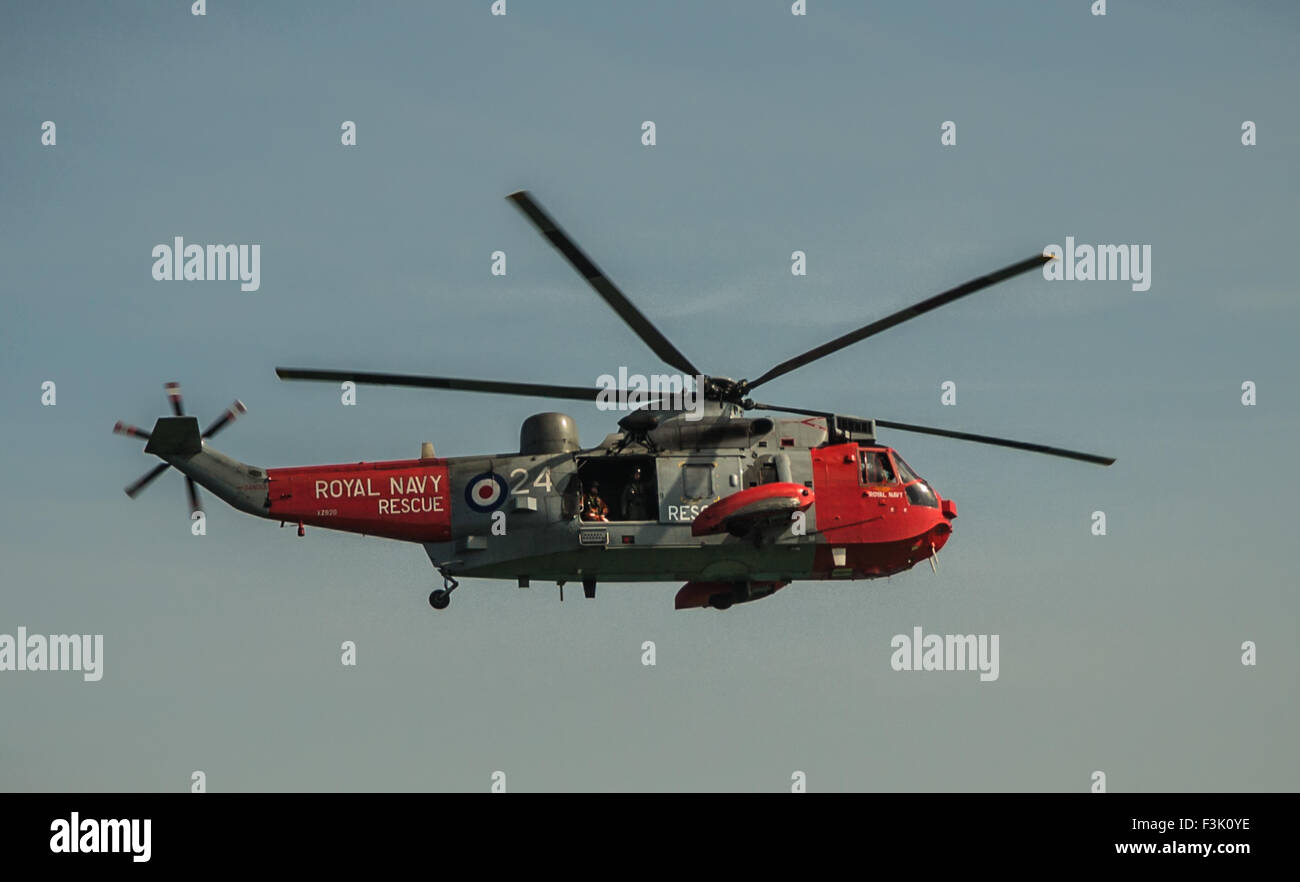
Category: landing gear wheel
<point>441,597</point>
<point>720,601</point>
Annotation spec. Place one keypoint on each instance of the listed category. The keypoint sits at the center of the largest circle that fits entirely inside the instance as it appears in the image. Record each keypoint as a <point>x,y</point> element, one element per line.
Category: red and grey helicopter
<point>737,505</point>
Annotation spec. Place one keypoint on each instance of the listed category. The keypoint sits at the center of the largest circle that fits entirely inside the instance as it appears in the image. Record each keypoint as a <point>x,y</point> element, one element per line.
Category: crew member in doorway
<point>636,506</point>
<point>593,506</point>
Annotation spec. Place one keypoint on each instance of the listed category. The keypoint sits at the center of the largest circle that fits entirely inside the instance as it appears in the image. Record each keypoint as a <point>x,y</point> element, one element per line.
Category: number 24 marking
<point>543,481</point>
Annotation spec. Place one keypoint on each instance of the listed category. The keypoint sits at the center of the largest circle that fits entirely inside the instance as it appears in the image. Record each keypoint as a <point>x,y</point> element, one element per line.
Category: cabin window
<point>697,481</point>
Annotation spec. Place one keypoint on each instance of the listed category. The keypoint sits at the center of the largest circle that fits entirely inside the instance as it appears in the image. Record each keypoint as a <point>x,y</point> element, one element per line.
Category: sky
<point>1120,653</point>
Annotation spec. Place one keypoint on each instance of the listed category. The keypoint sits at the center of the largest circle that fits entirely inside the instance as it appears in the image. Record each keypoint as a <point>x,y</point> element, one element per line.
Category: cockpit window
<point>876,468</point>
<point>918,492</point>
<point>905,472</point>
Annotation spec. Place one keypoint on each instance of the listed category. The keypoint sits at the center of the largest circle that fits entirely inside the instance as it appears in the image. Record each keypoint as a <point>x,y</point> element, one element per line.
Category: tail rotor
<point>174,397</point>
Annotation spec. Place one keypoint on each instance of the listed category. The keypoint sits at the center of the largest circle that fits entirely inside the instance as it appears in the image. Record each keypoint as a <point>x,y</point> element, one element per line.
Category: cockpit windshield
<point>918,492</point>
<point>905,473</point>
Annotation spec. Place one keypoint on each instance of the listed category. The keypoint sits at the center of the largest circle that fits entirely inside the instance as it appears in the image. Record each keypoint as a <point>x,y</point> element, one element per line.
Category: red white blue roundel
<point>485,492</point>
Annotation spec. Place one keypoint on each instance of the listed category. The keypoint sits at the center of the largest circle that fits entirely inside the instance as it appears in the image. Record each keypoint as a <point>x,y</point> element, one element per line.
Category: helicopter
<point>733,502</point>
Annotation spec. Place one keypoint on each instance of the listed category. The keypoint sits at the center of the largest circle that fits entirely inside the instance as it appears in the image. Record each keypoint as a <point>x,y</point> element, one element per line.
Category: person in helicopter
<point>636,506</point>
<point>875,468</point>
<point>594,507</point>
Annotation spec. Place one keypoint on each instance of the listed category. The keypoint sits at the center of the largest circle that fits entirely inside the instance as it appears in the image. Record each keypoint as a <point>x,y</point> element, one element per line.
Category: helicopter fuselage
<point>530,515</point>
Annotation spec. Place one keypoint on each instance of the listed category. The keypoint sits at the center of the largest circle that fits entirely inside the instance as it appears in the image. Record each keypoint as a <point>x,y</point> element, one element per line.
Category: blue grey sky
<point>820,133</point>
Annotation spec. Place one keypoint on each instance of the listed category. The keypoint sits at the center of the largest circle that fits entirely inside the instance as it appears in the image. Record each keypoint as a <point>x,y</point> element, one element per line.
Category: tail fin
<point>175,436</point>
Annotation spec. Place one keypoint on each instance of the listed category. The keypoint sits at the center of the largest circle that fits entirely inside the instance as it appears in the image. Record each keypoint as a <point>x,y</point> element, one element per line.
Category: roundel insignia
<point>485,492</point>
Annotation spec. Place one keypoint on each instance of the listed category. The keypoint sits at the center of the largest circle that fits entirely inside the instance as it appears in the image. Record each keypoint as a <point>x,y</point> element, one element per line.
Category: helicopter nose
<point>942,530</point>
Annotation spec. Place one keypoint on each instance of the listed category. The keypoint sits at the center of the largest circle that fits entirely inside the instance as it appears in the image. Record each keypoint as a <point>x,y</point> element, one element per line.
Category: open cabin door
<point>610,477</point>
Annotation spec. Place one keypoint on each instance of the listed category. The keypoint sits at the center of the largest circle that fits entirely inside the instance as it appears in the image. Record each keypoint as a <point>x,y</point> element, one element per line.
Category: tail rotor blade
<point>174,396</point>
<point>131,431</point>
<point>135,489</point>
<point>232,413</point>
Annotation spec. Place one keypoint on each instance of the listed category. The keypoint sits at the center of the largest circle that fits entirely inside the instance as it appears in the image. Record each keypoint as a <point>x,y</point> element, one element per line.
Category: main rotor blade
<point>461,384</point>
<point>999,442</point>
<point>135,489</point>
<point>901,316</point>
<point>961,436</point>
<point>608,291</point>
